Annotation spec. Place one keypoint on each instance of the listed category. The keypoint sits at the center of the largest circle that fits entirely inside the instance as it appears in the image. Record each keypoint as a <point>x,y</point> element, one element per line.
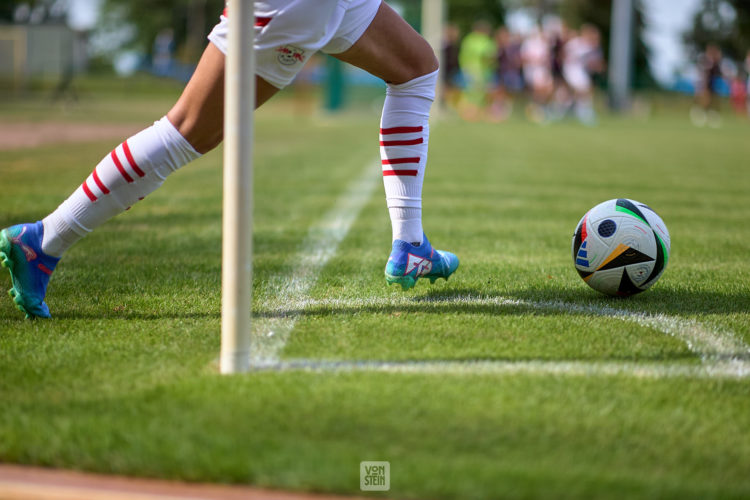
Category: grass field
<point>511,380</point>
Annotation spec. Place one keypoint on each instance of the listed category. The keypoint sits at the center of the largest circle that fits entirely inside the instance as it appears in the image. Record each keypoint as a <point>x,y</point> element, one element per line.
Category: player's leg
<point>199,112</point>
<point>132,170</point>
<point>390,49</point>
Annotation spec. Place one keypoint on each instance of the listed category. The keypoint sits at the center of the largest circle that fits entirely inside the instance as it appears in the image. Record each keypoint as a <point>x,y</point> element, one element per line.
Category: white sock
<point>131,171</point>
<point>404,134</point>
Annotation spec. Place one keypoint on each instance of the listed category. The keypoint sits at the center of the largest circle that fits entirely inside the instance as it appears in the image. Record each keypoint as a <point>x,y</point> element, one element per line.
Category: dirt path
<point>34,483</point>
<point>28,135</point>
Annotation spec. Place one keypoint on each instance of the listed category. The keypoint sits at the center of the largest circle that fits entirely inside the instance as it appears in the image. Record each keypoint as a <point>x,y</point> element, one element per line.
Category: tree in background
<point>190,20</point>
<point>725,23</point>
<point>463,13</point>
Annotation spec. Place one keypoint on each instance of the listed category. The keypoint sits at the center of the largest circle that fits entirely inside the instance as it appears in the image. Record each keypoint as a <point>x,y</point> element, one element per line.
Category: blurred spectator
<point>562,98</point>
<point>507,78</point>
<point>554,65</point>
<point>536,57</point>
<point>707,90</point>
<point>509,61</point>
<point>477,59</point>
<point>451,71</point>
<point>163,48</point>
<point>738,92</point>
<point>582,57</point>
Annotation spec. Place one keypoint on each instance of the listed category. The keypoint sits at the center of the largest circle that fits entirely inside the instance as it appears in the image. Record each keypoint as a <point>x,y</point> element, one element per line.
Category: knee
<point>423,64</point>
<point>202,136</point>
<point>431,64</point>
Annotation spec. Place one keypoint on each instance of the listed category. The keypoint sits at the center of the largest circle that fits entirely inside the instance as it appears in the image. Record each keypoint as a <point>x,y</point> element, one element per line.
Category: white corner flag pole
<point>621,54</point>
<point>237,230</point>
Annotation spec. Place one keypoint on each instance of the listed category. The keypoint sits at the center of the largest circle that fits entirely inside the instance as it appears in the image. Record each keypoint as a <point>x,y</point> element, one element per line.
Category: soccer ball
<point>621,247</point>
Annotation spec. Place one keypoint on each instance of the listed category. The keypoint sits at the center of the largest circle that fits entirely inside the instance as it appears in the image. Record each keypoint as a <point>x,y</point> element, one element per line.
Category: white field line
<point>722,353</point>
<point>722,369</point>
<point>322,242</point>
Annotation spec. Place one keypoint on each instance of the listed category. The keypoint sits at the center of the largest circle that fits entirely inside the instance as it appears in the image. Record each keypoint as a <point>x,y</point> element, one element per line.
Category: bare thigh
<point>199,112</point>
<point>390,49</point>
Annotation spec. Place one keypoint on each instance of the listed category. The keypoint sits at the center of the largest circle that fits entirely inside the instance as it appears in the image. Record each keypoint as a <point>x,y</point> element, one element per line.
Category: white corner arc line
<point>722,353</point>
<point>573,368</point>
<point>289,292</point>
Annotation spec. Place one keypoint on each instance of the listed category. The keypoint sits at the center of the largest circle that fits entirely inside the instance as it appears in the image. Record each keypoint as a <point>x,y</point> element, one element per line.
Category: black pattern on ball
<point>607,228</point>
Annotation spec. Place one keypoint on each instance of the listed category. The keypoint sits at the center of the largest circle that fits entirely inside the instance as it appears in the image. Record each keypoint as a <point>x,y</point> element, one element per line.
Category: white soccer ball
<point>621,247</point>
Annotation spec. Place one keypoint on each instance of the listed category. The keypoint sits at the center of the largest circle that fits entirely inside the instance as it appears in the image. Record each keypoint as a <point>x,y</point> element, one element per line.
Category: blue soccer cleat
<point>408,263</point>
<point>30,268</point>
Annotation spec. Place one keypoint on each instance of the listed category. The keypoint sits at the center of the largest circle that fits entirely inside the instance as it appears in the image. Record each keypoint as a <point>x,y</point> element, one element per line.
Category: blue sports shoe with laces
<point>408,263</point>
<point>30,268</point>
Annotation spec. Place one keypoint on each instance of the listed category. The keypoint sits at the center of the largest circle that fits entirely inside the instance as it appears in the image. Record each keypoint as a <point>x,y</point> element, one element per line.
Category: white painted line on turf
<point>723,353</point>
<point>650,369</point>
<point>707,343</point>
<point>701,340</point>
<point>287,292</point>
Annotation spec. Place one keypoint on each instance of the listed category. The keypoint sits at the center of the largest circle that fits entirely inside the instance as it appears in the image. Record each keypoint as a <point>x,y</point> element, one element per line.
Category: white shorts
<point>577,77</point>
<point>288,32</point>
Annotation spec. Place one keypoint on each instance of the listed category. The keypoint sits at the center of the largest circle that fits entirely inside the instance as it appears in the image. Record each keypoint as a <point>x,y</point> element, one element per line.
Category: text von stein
<point>375,475</point>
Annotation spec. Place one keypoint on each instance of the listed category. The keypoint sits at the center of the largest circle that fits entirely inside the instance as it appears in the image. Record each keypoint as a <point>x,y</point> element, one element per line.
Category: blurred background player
<point>738,91</point>
<point>477,59</point>
<point>582,56</point>
<point>509,64</point>
<point>535,56</point>
<point>562,95</point>
<point>707,91</point>
<point>507,78</point>
<point>451,71</point>
<point>365,33</point>
<point>163,52</point>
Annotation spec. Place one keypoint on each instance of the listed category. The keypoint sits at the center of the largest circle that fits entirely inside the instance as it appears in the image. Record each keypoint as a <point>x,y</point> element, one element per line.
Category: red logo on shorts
<point>289,54</point>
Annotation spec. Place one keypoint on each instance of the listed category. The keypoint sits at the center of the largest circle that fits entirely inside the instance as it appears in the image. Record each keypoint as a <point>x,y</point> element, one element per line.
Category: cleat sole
<point>406,282</point>
<point>6,262</point>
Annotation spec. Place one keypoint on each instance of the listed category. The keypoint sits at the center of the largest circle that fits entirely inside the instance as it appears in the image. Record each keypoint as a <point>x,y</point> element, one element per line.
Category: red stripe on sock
<point>88,191</point>
<point>398,161</point>
<point>120,167</point>
<point>99,183</point>
<point>400,130</point>
<point>410,173</point>
<point>46,270</point>
<point>131,160</point>
<point>410,142</point>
